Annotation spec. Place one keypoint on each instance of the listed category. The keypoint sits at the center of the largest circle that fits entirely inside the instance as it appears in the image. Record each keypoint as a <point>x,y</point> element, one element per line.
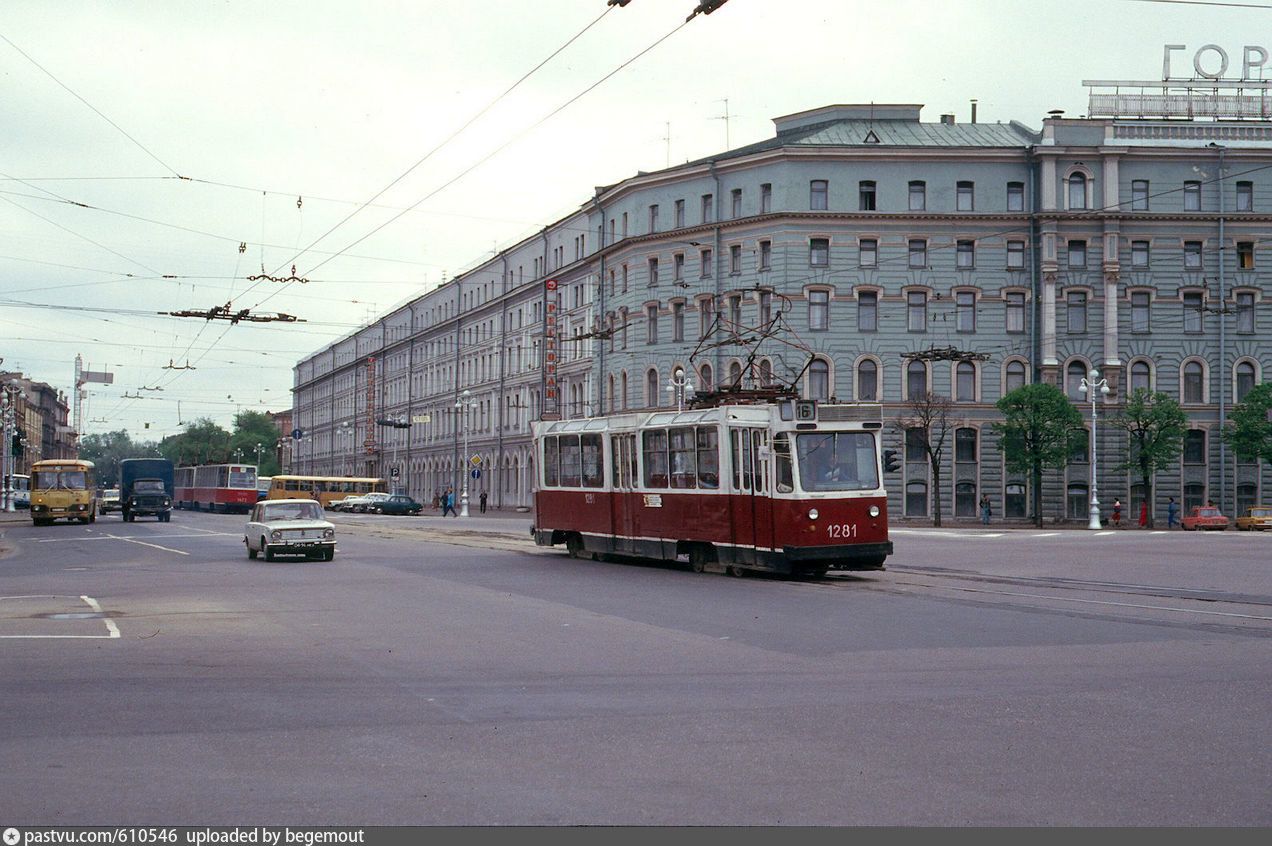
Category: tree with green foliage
<point>1036,433</point>
<point>1155,426</point>
<point>255,435</point>
<point>203,442</point>
<point>1249,428</point>
<point>106,451</point>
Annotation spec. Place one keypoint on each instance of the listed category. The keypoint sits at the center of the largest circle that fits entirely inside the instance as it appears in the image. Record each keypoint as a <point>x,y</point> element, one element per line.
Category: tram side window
<point>740,450</point>
<point>684,473</point>
<point>593,466</point>
<point>654,451</point>
<point>782,452</point>
<point>571,461</point>
<point>708,457</point>
<point>550,471</point>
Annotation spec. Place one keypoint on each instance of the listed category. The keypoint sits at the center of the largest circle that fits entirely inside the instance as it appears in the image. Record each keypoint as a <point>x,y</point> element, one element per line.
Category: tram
<point>737,483</point>
<point>229,488</point>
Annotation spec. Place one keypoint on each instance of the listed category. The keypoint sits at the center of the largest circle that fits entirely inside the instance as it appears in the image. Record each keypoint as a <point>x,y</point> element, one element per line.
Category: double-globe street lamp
<point>462,406</point>
<point>8,419</point>
<point>1091,386</point>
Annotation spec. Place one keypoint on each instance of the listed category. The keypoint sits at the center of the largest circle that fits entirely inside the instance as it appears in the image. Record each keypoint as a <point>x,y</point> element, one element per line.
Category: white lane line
<point>112,631</point>
<point>151,545</point>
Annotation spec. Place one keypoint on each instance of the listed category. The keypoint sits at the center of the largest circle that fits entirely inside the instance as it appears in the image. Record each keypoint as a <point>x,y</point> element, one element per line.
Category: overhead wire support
<point>242,315</point>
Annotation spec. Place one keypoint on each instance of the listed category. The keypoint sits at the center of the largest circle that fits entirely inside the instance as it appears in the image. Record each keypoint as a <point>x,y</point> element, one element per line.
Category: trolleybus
<point>216,487</point>
<point>325,489</point>
<point>20,490</point>
<point>63,488</point>
<point>776,484</point>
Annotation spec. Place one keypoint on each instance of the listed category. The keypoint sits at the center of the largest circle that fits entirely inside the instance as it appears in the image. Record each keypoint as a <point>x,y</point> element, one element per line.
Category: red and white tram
<point>789,486</point>
<point>216,487</point>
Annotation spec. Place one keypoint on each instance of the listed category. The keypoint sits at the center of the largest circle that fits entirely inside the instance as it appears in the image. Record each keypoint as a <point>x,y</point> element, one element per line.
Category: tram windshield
<point>837,461</point>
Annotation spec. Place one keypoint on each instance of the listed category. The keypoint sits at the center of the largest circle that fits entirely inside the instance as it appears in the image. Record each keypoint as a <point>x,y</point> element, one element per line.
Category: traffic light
<point>890,463</point>
<point>15,448</point>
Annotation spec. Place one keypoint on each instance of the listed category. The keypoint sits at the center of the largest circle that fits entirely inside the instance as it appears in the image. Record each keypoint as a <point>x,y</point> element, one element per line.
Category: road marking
<point>109,536</point>
<point>1110,602</point>
<point>112,631</point>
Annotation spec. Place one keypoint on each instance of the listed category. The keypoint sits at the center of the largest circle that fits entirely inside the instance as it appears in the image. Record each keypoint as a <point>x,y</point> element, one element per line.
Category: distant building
<point>859,254</point>
<point>41,414</point>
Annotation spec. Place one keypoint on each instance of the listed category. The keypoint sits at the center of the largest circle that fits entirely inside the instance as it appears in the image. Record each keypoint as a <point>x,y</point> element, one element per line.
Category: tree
<point>1155,426</point>
<point>1249,428</point>
<point>203,442</point>
<point>106,451</point>
<point>253,429</point>
<point>927,418</point>
<point>1036,433</point>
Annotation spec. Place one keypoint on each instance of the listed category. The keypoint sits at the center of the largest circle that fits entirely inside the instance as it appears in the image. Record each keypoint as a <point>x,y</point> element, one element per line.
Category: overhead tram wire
<point>494,152</point>
<point>445,141</point>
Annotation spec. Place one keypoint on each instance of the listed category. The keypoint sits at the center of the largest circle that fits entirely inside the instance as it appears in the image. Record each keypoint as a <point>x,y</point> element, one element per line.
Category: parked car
<point>368,502</point>
<point>341,504</point>
<point>1258,517</point>
<point>289,527</point>
<point>109,501</point>
<point>1204,517</point>
<point>397,504</point>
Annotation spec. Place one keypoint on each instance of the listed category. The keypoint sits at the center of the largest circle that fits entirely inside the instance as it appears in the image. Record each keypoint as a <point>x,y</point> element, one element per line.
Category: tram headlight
<point>812,514</point>
<point>874,511</point>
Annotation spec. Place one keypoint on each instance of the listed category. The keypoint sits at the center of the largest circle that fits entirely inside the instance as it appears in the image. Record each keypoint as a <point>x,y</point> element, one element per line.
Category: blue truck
<point>145,487</point>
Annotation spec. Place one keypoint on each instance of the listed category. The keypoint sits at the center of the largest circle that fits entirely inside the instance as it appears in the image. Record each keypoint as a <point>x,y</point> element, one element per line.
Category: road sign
<point>476,474</point>
<point>297,434</point>
<point>476,460</point>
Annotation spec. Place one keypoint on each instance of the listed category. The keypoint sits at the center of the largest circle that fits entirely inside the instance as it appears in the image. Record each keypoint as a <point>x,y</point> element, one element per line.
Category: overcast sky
<point>158,154</point>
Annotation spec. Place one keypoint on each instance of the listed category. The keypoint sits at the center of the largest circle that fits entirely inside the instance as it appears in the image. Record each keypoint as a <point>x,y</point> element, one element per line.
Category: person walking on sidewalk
<point>448,503</point>
<point>1170,513</point>
<point>1117,513</point>
<point>1143,521</point>
<point>482,500</point>
<point>986,510</point>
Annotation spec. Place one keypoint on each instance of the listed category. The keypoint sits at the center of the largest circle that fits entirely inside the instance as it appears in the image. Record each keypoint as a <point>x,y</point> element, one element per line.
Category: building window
<point>736,200</point>
<point>915,380</point>
<point>1245,196</point>
<point>766,307</point>
<point>866,195</point>
<point>918,196</point>
<point>868,252</point>
<point>1192,196</point>
<point>819,195</point>
<point>1139,311</point>
<point>965,445</point>
<point>818,310</point>
<point>766,255</point>
<point>1077,311</point>
<point>708,208</point>
<point>1194,383</point>
<point>1141,375</point>
<point>916,498</point>
<point>867,381</point>
<point>819,379</point>
<point>706,317</point>
<point>678,267</point>
<point>918,253</point>
<point>1193,311</point>
<point>1015,255</point>
<point>735,258</point>
<point>965,255</point>
<point>1015,376</point>
<point>916,311</point>
<point>705,261</point>
<point>1074,374</point>
<point>867,311</point>
<point>819,252</point>
<point>653,218</point>
<point>1015,196</point>
<point>1195,446</point>
<point>651,388</point>
<point>653,272</point>
<point>679,211</point>
<point>1077,253</point>
<point>965,306</point>
<point>735,310</point>
<point>1245,312</point>
<point>1245,379</point>
<point>1192,255</point>
<point>1139,254</point>
<point>1245,255</point>
<point>1139,195</point>
<point>1077,191</point>
<point>965,196</point>
<point>766,198</point>
<point>677,321</point>
<point>965,382</point>
<point>651,324</point>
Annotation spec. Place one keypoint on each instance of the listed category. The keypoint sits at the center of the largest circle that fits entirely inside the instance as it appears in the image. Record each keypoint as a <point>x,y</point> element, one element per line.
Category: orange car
<point>1204,517</point>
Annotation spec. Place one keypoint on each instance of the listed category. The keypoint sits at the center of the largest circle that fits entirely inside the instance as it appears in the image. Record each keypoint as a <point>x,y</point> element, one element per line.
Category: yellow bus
<point>62,488</point>
<point>325,489</point>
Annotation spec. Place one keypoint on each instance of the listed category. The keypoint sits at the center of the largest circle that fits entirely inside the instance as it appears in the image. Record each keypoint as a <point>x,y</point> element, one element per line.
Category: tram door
<point>623,491</point>
<point>752,503</point>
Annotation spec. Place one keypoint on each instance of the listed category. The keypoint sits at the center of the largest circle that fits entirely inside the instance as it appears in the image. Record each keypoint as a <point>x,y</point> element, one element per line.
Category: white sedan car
<point>289,527</point>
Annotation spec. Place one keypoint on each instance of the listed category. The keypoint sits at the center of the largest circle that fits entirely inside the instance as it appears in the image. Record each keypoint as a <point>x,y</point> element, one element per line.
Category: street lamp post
<point>1091,386</point>
<point>680,386</point>
<point>8,414</point>
<point>462,405</point>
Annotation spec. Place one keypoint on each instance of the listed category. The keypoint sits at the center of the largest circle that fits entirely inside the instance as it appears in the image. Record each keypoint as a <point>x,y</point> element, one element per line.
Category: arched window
<point>819,379</point>
<point>1015,375</point>
<point>1194,382</point>
<point>915,380</point>
<point>965,499</point>
<point>735,374</point>
<point>766,373</point>
<point>1078,498</point>
<point>1245,375</point>
<point>1141,375</point>
<point>916,499</point>
<point>705,374</point>
<point>1074,374</point>
<point>965,382</point>
<point>867,380</point>
<point>651,388</point>
<point>1077,191</point>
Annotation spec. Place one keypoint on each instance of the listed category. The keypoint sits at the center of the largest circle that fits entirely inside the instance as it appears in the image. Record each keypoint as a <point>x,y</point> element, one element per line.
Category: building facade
<point>859,254</point>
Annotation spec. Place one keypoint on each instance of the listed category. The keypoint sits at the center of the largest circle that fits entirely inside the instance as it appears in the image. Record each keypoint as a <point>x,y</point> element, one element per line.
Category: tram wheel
<point>700,557</point>
<point>574,546</point>
<point>736,571</point>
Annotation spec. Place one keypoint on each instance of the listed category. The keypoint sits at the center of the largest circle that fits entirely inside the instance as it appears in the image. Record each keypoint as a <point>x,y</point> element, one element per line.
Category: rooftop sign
<point>1212,92</point>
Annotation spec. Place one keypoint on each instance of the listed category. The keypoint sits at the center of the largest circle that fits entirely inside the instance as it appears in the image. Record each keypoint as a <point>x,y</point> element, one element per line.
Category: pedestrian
<point>986,510</point>
<point>1170,513</point>
<point>482,500</point>
<point>1117,513</point>
<point>1144,514</point>
<point>448,503</point>
<point>437,499</point>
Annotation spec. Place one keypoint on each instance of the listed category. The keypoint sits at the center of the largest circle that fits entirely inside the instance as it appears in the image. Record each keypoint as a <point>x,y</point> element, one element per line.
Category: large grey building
<point>860,253</point>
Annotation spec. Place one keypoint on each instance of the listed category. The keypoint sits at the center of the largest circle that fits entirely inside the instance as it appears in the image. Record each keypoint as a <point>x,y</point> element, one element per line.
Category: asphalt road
<point>449,673</point>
